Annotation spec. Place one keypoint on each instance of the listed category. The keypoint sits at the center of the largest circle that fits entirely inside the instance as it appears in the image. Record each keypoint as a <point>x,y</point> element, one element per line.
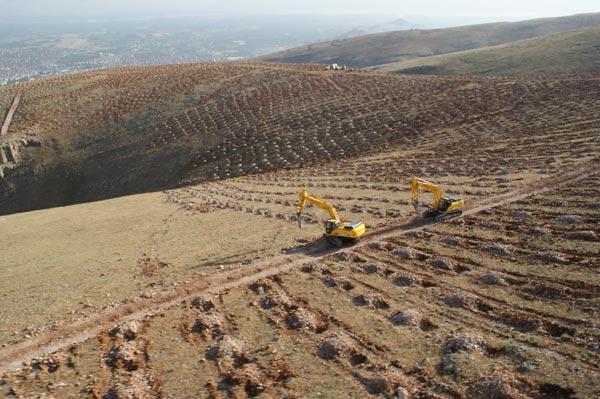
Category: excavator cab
<point>337,232</point>
<point>331,225</point>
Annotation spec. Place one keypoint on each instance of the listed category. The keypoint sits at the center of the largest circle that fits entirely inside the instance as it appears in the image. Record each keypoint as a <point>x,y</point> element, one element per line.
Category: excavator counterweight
<point>337,232</point>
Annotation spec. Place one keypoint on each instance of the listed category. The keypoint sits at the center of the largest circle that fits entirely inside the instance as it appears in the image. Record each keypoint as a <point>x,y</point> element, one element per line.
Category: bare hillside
<point>575,52</point>
<point>390,47</point>
<point>211,290</point>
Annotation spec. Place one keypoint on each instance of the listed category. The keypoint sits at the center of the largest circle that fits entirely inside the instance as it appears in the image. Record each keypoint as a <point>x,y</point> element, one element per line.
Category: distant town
<point>36,50</point>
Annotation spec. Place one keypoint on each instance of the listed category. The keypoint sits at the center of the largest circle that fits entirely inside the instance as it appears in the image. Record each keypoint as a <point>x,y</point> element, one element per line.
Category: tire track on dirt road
<point>12,358</point>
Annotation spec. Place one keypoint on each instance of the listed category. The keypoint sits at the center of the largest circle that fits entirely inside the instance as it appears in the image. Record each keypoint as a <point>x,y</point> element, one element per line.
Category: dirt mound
<point>491,278</point>
<point>540,231</point>
<point>341,282</point>
<point>463,300</point>
<point>465,342</point>
<point>338,346</point>
<point>388,383</point>
<point>505,385</point>
<point>553,256</point>
<point>301,319</point>
<point>276,299</point>
<point>133,385</point>
<point>128,331</point>
<point>521,321</point>
<point>128,356</point>
<point>372,300</point>
<point>442,264</point>
<point>497,250</point>
<point>204,303</point>
<point>226,347</point>
<point>406,280</point>
<point>409,317</point>
<point>208,324</point>
<point>568,219</point>
<point>404,253</point>
<point>49,364</point>
<point>371,268</point>
<point>583,235</point>
<point>381,246</point>
<point>523,215</point>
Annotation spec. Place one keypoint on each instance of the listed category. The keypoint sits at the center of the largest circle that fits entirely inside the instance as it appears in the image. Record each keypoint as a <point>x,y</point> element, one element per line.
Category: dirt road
<point>10,114</point>
<point>12,358</point>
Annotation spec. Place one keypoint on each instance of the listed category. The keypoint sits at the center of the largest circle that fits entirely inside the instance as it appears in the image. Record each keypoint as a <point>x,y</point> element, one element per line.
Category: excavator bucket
<point>417,206</point>
<point>300,218</point>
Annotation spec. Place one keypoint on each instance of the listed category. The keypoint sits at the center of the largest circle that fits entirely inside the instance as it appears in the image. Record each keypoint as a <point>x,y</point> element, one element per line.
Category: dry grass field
<point>209,289</point>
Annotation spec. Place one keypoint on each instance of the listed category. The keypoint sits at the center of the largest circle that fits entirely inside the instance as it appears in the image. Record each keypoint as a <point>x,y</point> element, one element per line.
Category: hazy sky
<point>145,8</point>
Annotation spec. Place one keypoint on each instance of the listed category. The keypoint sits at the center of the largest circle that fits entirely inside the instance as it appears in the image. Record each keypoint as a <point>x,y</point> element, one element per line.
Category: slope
<point>385,48</point>
<point>574,52</point>
<point>104,134</point>
<point>160,295</point>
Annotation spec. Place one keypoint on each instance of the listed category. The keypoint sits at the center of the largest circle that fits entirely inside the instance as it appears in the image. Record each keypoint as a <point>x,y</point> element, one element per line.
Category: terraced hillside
<point>108,133</point>
<point>210,290</point>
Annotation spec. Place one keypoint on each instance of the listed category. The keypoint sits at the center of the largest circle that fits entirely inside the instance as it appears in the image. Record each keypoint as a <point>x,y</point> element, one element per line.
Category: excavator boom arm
<point>417,183</point>
<point>303,197</point>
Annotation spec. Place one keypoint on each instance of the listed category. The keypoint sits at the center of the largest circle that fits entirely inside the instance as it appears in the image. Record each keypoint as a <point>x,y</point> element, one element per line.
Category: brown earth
<point>210,290</point>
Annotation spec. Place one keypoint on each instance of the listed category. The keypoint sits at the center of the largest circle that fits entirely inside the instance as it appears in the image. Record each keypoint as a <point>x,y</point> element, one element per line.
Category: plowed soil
<point>214,292</point>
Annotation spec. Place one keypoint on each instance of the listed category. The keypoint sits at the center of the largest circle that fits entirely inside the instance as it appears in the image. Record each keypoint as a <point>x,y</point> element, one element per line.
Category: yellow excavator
<point>442,207</point>
<point>337,233</point>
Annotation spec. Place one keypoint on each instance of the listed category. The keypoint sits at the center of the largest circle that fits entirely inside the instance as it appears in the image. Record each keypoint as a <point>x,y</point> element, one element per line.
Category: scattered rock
<point>491,278</point>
